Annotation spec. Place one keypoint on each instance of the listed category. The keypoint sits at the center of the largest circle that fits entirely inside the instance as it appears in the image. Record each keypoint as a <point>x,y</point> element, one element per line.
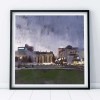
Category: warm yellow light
<point>20,57</point>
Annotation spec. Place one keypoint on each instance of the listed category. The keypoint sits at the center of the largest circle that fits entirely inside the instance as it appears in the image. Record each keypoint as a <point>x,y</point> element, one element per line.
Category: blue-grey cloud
<point>48,33</point>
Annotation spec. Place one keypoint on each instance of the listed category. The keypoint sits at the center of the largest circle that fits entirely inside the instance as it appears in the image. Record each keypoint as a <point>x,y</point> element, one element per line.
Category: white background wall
<point>92,5</point>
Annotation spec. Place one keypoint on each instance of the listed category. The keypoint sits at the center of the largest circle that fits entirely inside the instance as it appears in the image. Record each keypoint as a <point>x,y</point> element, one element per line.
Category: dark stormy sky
<point>48,33</point>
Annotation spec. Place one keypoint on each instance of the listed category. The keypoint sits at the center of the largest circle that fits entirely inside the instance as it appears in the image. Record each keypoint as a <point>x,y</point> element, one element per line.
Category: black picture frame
<point>12,43</point>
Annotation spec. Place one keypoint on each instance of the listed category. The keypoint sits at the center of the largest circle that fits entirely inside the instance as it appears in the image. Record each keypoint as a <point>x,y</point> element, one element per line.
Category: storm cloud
<point>48,33</point>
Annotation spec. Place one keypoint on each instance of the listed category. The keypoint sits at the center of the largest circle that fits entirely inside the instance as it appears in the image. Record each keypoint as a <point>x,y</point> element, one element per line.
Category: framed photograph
<point>49,49</point>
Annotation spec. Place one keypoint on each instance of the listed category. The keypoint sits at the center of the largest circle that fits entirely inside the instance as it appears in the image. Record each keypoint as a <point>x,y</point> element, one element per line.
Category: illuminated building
<point>44,57</point>
<point>68,53</point>
<point>27,54</point>
<point>24,54</point>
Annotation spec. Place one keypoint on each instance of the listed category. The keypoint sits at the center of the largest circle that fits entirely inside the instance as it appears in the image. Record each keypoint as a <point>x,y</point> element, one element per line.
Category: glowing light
<point>20,57</point>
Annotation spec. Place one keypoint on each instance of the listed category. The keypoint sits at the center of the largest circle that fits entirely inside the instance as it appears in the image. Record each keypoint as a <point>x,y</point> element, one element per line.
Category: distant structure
<point>28,55</point>
<point>72,55</point>
<point>24,54</point>
<point>44,57</point>
<point>30,48</point>
<point>24,51</point>
<point>68,56</point>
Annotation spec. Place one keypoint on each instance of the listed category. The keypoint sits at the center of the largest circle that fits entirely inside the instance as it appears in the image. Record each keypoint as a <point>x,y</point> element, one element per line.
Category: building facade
<point>24,54</point>
<point>27,54</point>
<point>44,57</point>
<point>68,53</point>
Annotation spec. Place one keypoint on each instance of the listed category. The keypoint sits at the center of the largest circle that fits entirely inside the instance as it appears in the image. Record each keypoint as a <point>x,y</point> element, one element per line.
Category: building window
<point>38,59</point>
<point>34,59</point>
<point>49,59</point>
<point>45,58</point>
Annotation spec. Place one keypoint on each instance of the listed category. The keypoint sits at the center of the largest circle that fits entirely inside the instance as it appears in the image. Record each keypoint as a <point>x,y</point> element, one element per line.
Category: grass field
<point>54,76</point>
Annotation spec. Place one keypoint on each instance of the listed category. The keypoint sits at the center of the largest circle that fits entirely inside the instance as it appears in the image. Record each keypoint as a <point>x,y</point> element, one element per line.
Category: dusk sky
<point>48,33</point>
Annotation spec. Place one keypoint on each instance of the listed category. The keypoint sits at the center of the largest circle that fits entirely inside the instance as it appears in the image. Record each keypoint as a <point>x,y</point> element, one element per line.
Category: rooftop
<point>39,52</point>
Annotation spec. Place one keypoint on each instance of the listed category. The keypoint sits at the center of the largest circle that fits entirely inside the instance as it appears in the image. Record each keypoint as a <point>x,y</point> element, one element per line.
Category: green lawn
<point>53,76</point>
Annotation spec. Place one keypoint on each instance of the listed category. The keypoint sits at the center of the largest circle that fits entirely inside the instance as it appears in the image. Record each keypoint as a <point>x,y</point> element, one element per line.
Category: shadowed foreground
<point>50,76</point>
